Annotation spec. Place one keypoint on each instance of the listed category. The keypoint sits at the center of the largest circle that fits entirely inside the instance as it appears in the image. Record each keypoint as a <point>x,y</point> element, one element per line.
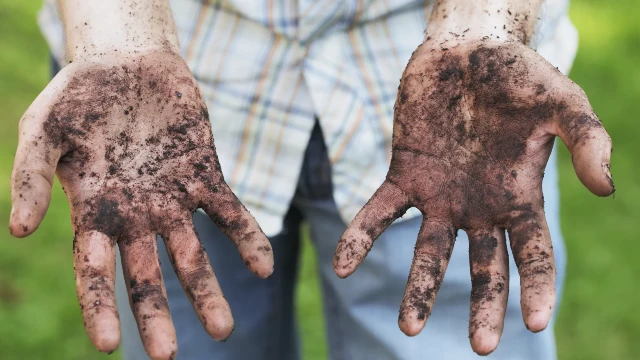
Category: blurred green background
<point>39,315</point>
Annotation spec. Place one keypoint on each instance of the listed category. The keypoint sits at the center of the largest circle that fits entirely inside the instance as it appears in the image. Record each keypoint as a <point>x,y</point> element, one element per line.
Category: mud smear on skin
<point>194,282</point>
<point>145,291</point>
<point>137,151</point>
<point>100,291</point>
<point>485,287</point>
<point>147,300</point>
<point>462,121</point>
<point>424,284</point>
<point>390,203</point>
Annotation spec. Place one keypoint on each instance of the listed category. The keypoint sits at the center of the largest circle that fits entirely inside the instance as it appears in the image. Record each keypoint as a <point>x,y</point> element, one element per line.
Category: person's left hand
<point>474,127</point>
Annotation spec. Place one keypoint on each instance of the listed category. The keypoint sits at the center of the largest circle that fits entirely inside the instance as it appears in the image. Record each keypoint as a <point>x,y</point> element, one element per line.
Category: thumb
<point>33,171</point>
<point>589,144</point>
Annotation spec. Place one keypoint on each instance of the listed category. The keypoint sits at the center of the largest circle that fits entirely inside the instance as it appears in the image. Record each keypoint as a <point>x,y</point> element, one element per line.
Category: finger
<point>148,297</point>
<point>32,177</point>
<point>430,259</point>
<point>387,204</point>
<point>489,262</point>
<point>533,253</point>
<point>589,144</point>
<point>191,264</point>
<point>94,263</point>
<point>228,213</point>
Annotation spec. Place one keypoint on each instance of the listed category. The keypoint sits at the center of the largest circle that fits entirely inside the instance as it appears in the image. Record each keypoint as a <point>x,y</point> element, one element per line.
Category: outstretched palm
<point>474,128</point>
<point>130,141</point>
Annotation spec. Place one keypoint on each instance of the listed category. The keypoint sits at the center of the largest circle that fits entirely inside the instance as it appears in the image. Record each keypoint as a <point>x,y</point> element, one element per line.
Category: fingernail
<point>607,172</point>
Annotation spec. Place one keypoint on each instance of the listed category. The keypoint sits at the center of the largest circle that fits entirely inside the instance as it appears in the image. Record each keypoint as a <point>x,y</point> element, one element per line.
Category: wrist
<point>460,21</point>
<point>118,56</point>
<point>91,50</point>
<point>93,28</point>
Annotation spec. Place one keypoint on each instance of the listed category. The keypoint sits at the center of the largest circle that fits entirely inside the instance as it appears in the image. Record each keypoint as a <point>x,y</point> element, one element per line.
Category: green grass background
<point>599,317</point>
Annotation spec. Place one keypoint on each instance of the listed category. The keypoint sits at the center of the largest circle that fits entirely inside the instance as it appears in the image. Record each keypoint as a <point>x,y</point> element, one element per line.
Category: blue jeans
<point>361,311</point>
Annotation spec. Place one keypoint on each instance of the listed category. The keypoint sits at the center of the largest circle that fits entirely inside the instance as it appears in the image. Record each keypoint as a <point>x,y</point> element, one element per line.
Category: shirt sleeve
<point>555,38</point>
<point>52,30</point>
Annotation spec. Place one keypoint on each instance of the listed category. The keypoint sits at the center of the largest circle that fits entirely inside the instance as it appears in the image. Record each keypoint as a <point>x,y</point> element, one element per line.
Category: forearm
<point>452,21</point>
<point>93,27</point>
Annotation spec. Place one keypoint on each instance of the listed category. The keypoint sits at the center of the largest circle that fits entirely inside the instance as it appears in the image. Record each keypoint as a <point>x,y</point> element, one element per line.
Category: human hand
<point>129,138</point>
<point>474,127</point>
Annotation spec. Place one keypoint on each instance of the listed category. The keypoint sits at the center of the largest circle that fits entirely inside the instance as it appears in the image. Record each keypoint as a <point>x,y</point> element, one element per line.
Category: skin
<point>476,116</point>
<point>126,130</point>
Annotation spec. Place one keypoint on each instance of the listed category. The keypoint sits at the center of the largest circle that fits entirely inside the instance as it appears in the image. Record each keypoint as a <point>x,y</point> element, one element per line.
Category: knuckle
<point>537,265</point>
<point>147,292</point>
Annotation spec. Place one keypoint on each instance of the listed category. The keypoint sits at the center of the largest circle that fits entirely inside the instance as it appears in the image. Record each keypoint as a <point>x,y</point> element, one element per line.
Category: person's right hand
<point>130,140</point>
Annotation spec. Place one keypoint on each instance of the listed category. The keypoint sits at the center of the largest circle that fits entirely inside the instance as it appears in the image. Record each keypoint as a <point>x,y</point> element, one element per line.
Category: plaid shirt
<point>268,69</point>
